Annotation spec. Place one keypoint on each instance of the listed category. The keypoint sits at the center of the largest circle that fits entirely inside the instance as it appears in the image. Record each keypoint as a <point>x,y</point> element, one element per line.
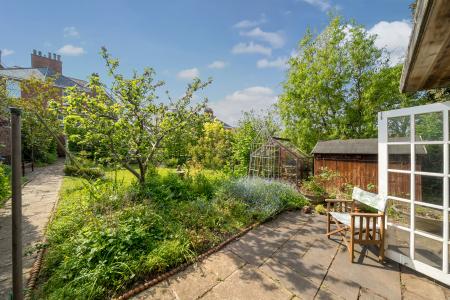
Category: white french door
<point>413,166</point>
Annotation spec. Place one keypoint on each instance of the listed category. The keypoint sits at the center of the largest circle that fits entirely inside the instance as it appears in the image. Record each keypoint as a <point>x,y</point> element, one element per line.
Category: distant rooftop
<point>42,67</point>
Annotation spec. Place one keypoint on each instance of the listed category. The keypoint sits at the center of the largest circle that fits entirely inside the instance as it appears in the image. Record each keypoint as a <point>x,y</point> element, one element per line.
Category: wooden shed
<point>356,162</point>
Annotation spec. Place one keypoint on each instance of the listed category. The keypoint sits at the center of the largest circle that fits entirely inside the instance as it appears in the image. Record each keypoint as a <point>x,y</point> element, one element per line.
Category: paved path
<point>290,258</point>
<point>38,199</point>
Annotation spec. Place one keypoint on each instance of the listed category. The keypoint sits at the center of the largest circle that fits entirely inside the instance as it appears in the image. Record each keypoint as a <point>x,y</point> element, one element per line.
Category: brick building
<point>42,67</point>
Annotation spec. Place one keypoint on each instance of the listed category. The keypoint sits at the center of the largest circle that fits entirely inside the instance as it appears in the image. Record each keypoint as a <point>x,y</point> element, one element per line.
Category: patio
<point>291,258</point>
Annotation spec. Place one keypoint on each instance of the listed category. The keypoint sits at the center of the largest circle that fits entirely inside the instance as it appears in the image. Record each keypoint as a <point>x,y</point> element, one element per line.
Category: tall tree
<point>129,124</point>
<point>213,149</point>
<point>37,142</point>
<point>336,84</point>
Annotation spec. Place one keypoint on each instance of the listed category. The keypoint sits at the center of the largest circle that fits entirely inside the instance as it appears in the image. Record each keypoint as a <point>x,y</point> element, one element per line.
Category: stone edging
<point>147,284</point>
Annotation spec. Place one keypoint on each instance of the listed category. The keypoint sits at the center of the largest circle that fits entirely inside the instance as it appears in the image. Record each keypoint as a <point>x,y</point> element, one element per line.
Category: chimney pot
<point>54,56</point>
<point>40,53</point>
<point>58,57</point>
<point>49,55</point>
<point>34,51</point>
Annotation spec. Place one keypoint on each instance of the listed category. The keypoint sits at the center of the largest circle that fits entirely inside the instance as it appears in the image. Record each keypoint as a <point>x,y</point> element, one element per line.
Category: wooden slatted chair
<point>364,228</point>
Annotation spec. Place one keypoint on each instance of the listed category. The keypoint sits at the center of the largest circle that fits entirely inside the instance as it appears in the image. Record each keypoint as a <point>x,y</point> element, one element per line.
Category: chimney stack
<point>51,61</point>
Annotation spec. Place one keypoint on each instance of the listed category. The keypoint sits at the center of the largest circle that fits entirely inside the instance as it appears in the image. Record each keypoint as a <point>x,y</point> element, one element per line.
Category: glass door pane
<point>428,251</point>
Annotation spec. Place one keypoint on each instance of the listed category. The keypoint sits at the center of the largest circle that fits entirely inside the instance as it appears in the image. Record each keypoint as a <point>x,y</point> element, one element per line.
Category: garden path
<point>291,258</point>
<point>39,196</point>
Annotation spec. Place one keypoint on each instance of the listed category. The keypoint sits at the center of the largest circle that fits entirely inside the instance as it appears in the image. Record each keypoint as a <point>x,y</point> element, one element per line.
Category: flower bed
<point>107,237</point>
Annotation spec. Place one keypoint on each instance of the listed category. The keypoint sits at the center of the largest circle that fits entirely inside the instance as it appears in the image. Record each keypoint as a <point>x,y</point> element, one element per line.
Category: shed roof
<point>359,146</point>
<point>356,146</point>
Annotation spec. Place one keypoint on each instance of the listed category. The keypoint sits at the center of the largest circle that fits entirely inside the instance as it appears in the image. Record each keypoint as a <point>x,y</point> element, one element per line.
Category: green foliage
<point>38,143</point>
<point>129,124</point>
<point>108,235</point>
<point>5,185</point>
<point>336,84</point>
<point>178,142</point>
<point>320,209</point>
<point>263,198</point>
<point>246,133</point>
<point>316,185</point>
<point>85,172</point>
<point>213,149</point>
<point>4,100</point>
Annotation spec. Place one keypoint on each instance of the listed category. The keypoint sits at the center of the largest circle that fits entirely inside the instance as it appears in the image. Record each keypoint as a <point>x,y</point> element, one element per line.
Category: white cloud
<point>249,23</point>
<point>188,73</point>
<point>217,64</point>
<point>394,36</point>
<point>230,108</point>
<point>71,50</point>
<point>251,47</point>
<point>323,5</point>
<point>280,62</point>
<point>6,52</point>
<point>276,39</point>
<point>71,31</point>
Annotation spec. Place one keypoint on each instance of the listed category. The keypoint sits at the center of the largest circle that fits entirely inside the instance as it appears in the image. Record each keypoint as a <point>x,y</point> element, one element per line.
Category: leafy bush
<point>85,172</point>
<point>320,209</point>
<point>317,185</point>
<point>264,198</point>
<point>5,188</point>
<point>173,186</point>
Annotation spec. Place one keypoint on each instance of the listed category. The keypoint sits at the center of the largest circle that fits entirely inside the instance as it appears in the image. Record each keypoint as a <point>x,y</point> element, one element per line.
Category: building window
<point>13,88</point>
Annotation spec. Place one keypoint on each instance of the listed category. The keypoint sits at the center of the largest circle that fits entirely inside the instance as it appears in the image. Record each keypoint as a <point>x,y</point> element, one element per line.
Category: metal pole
<point>16,189</point>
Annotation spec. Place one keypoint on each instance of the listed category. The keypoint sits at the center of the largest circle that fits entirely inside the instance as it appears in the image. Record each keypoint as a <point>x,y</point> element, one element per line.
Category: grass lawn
<point>107,235</point>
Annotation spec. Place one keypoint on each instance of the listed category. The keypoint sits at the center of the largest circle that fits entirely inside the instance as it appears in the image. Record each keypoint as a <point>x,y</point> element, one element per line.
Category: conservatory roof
<point>288,145</point>
<point>427,63</point>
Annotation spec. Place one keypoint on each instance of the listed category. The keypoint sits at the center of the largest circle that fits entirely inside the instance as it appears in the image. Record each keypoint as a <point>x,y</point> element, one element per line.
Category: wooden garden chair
<point>364,228</point>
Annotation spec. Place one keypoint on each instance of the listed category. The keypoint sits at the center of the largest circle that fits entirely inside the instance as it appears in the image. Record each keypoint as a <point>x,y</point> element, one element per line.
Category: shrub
<point>264,198</point>
<point>316,185</point>
<point>320,209</point>
<point>85,172</point>
<point>5,189</point>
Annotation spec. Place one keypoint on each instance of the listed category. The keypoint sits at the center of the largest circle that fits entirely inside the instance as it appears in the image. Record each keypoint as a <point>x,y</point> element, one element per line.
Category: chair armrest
<point>337,200</point>
<point>359,214</point>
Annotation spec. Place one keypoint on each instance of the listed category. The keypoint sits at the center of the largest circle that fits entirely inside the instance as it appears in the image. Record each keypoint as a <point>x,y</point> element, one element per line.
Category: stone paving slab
<point>291,258</point>
<point>38,198</point>
<point>248,283</point>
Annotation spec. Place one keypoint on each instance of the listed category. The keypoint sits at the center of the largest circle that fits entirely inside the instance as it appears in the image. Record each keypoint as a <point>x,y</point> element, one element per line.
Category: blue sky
<point>241,44</point>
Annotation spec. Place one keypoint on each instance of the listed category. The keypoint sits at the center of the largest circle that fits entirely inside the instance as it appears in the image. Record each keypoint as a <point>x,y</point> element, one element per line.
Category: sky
<point>243,45</point>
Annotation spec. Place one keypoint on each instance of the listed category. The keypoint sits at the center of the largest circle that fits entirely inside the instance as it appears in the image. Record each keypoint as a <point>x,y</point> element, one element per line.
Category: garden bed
<point>107,237</point>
